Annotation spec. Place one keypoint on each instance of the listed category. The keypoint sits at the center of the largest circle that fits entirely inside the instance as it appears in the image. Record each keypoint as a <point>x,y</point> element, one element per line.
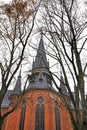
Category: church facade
<point>40,106</point>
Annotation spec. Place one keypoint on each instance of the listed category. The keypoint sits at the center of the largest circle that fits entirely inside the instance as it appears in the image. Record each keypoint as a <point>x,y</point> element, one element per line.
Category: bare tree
<point>65,28</point>
<point>16,25</point>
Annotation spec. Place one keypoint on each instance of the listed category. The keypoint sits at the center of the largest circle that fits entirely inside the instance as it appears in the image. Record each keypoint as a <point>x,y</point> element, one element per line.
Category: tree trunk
<point>1,122</point>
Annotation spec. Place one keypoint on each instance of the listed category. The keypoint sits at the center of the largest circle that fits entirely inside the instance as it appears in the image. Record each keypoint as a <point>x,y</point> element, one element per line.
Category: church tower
<point>40,77</point>
<point>15,94</point>
<point>41,106</point>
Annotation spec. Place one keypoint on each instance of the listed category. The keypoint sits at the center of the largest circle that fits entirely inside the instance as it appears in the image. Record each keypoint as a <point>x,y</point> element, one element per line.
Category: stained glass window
<point>39,114</point>
<point>57,116</point>
<point>23,115</point>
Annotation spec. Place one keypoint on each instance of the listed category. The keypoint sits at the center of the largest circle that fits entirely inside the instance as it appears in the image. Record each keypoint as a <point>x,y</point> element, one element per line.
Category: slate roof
<point>40,77</point>
<point>6,100</point>
<point>41,60</point>
<point>16,90</point>
<point>40,82</point>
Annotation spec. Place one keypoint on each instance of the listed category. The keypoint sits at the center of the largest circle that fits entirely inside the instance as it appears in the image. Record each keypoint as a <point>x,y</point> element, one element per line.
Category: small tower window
<point>57,116</point>
<point>32,81</point>
<point>39,114</point>
<point>40,79</point>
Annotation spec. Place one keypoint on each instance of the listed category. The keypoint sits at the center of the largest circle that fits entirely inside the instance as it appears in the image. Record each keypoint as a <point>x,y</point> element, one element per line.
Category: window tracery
<point>57,116</point>
<point>40,114</point>
<point>23,115</point>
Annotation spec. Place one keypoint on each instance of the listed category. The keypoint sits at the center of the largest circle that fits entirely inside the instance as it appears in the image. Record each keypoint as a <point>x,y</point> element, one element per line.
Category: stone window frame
<point>57,116</point>
<point>39,122</point>
<point>23,111</point>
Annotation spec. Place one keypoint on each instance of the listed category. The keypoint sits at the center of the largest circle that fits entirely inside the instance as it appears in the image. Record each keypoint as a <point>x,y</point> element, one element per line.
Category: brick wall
<point>12,122</point>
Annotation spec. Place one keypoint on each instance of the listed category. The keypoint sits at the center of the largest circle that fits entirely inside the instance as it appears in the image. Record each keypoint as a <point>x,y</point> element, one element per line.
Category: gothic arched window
<point>57,116</point>
<point>39,114</point>
<point>23,115</point>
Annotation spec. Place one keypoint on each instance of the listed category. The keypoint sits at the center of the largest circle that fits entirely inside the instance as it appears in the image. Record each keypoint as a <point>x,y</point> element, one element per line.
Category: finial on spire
<point>41,33</point>
<point>20,71</point>
<point>33,59</point>
<point>60,72</point>
<point>62,84</point>
<point>17,88</point>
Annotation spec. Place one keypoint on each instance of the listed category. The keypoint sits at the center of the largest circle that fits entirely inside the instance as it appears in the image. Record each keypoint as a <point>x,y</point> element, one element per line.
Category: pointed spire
<point>40,77</point>
<point>62,85</point>
<point>17,88</point>
<point>41,60</point>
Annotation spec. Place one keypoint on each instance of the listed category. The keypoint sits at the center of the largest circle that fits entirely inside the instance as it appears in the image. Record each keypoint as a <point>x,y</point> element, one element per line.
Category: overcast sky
<point>6,1</point>
<point>81,5</point>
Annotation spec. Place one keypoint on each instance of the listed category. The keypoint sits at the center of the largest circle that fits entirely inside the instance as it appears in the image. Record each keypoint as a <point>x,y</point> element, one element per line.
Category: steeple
<point>41,60</point>
<point>62,85</point>
<point>40,77</point>
<point>17,88</point>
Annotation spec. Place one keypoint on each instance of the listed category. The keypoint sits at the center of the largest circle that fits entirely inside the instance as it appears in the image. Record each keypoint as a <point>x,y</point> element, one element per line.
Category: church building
<point>40,106</point>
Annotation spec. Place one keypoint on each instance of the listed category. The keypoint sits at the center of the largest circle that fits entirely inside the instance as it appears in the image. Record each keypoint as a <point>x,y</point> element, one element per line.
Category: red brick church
<point>41,107</point>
